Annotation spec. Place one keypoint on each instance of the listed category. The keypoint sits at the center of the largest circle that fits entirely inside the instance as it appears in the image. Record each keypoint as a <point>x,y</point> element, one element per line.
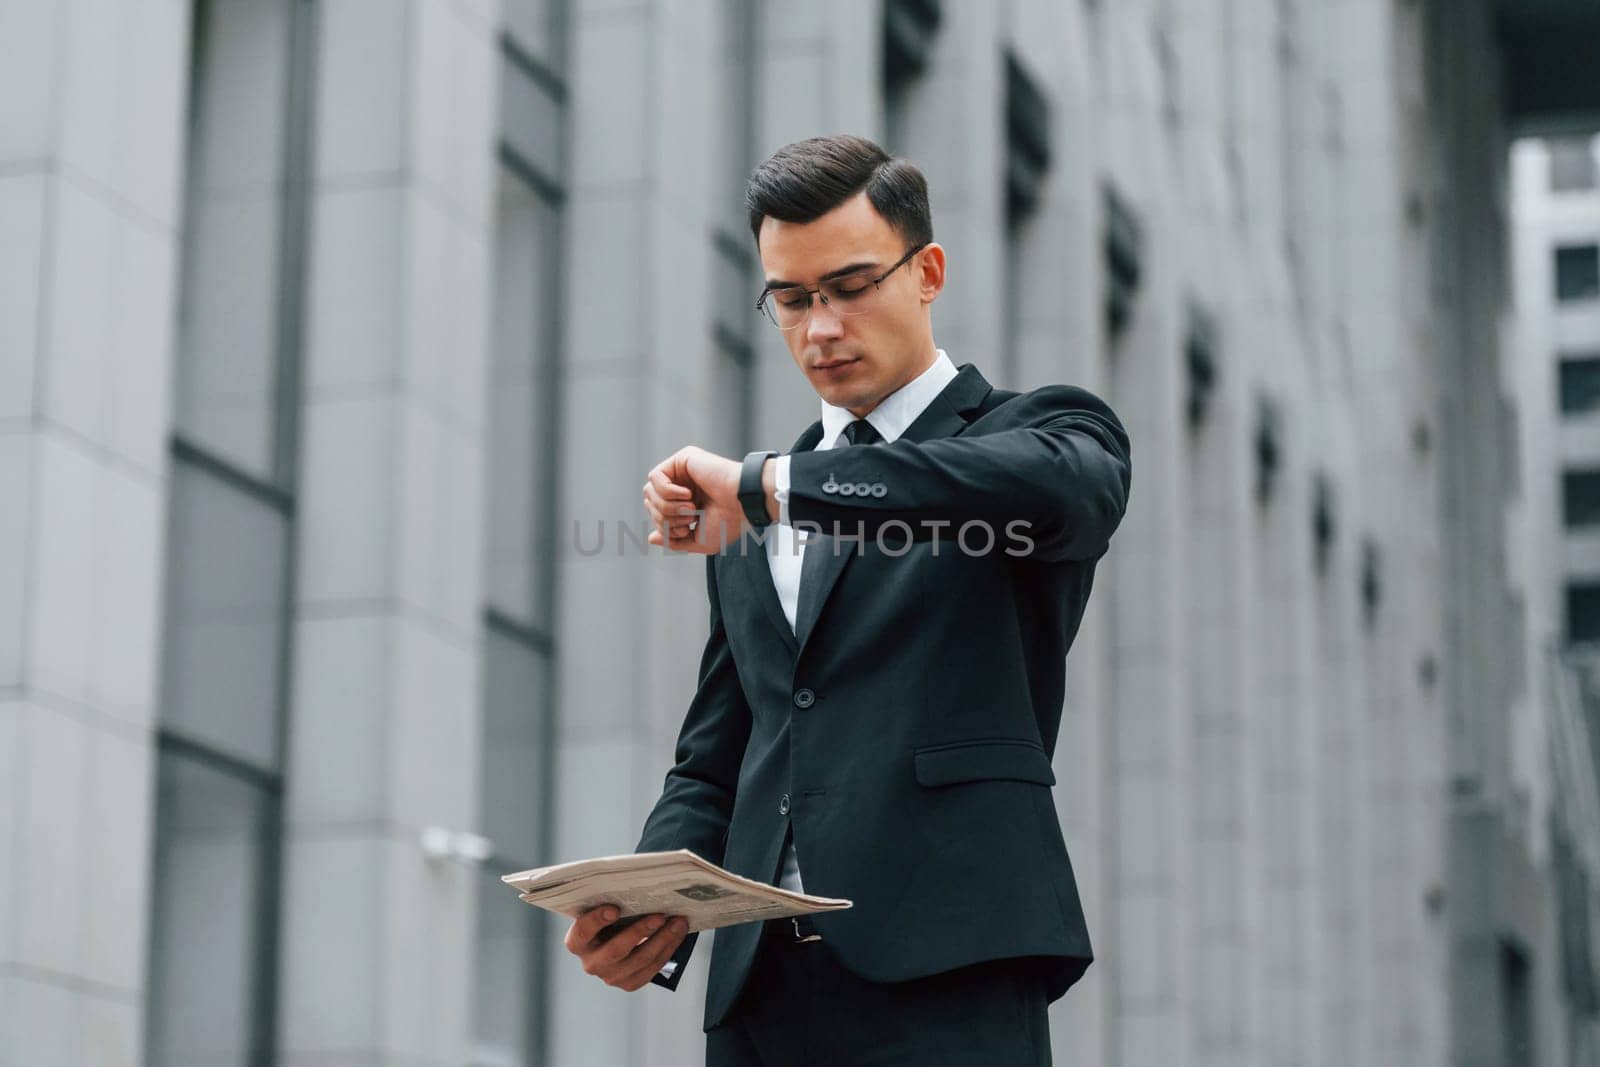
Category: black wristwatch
<point>752,497</point>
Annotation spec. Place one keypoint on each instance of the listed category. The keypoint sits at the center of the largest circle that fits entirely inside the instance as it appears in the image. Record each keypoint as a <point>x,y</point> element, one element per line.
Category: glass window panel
<point>515,794</point>
<point>227,323</point>
<point>1580,384</point>
<point>530,121</point>
<point>1583,611</point>
<point>514,786</point>
<point>732,401</point>
<point>737,283</point>
<point>535,26</point>
<point>1572,165</point>
<point>225,604</point>
<point>1578,272</point>
<point>510,1001</point>
<point>212,833</point>
<point>522,457</point>
<point>734,144</point>
<point>1581,496</point>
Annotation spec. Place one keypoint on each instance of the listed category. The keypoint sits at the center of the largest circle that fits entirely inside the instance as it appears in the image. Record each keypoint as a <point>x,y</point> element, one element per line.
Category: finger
<point>691,540</point>
<point>681,534</point>
<point>584,928</point>
<point>607,960</point>
<point>677,510</point>
<point>647,958</point>
<point>670,510</point>
<point>653,954</point>
<point>666,487</point>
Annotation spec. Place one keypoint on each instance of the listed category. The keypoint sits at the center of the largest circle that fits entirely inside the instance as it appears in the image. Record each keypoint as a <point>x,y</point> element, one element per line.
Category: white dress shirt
<point>786,552</point>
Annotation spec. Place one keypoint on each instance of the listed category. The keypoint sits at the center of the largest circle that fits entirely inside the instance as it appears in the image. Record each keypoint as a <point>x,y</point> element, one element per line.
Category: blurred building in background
<point>337,336</point>
<point>1555,376</point>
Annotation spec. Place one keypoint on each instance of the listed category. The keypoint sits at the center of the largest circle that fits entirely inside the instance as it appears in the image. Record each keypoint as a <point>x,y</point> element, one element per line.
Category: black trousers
<point>800,1006</point>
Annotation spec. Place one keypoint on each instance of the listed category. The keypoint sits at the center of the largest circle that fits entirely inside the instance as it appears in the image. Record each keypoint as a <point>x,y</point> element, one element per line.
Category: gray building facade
<point>337,336</point>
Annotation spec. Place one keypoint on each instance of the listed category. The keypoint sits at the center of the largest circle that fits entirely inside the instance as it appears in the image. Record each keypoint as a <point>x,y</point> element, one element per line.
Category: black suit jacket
<point>906,727</point>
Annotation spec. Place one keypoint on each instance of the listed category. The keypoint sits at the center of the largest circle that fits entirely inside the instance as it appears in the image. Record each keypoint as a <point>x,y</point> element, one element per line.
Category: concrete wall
<point>1259,735</point>
<point>91,136</point>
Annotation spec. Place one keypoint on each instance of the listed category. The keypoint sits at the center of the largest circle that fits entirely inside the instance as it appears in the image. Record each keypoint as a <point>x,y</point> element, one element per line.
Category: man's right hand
<point>628,956</point>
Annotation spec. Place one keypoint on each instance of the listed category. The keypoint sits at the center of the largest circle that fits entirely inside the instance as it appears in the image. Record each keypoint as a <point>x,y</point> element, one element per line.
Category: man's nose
<point>824,323</point>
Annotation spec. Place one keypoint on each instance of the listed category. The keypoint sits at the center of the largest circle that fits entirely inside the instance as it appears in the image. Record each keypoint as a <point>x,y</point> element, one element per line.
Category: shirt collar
<point>895,412</point>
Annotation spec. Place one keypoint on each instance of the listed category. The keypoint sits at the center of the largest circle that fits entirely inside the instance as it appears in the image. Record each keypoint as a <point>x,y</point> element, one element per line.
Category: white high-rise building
<point>1555,207</point>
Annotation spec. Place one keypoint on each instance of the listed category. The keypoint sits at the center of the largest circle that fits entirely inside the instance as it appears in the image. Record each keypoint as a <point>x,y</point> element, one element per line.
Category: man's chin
<point>842,398</point>
<point>843,395</point>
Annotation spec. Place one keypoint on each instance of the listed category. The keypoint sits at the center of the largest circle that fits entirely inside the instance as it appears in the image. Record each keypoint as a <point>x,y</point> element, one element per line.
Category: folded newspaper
<point>667,883</point>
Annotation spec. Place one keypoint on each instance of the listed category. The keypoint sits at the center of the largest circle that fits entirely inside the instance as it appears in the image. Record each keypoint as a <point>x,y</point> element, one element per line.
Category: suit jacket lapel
<point>945,416</point>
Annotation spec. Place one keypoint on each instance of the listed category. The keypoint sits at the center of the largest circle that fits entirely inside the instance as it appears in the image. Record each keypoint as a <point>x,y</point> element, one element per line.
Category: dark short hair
<point>803,181</point>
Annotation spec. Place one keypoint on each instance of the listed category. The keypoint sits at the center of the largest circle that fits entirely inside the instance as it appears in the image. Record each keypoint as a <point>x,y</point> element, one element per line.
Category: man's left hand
<point>693,500</point>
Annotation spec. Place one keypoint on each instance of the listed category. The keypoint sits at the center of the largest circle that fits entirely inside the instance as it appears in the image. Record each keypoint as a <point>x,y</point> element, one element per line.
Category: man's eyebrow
<point>849,268</point>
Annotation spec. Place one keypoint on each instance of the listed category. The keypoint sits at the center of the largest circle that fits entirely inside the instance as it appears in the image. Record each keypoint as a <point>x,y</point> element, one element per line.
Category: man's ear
<point>930,276</point>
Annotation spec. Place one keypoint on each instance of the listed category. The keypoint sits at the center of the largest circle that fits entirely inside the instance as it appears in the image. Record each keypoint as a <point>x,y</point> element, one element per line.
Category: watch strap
<point>752,497</point>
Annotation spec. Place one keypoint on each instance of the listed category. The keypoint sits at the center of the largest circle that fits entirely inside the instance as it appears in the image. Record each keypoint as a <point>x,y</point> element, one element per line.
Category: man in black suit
<point>878,704</point>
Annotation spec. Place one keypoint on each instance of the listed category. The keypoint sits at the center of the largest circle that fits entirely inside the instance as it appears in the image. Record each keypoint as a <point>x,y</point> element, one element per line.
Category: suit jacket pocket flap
<point>971,761</point>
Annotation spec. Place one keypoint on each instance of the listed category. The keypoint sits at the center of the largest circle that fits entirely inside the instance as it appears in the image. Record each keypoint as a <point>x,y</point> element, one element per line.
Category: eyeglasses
<point>855,293</point>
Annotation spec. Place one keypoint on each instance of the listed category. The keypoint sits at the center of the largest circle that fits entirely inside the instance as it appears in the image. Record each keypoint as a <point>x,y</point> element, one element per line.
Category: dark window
<point>214,869</point>
<point>516,797</point>
<point>522,416</point>
<point>515,789</point>
<point>1578,272</point>
<point>225,601</point>
<point>1581,497</point>
<point>1027,164</point>
<point>1027,140</point>
<point>536,28</point>
<point>1580,384</point>
<point>227,377</point>
<point>532,112</point>
<point>1124,240</point>
<point>1583,611</point>
<point>226,665</point>
<point>1517,1004</point>
<point>909,28</point>
<point>1572,165</point>
<point>735,272</point>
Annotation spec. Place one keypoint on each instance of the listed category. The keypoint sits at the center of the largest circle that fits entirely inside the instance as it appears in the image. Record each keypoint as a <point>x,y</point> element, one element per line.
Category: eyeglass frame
<point>817,292</point>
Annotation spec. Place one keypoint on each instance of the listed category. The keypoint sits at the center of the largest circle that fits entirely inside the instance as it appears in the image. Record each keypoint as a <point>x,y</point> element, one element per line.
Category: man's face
<point>854,361</point>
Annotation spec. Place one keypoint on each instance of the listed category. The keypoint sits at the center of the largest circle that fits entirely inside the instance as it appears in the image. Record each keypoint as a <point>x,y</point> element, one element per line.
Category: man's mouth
<point>833,364</point>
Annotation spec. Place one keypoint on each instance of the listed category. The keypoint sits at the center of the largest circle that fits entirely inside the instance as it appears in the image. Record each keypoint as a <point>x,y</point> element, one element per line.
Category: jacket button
<point>804,698</point>
<point>863,489</point>
<point>783,805</point>
<point>879,489</point>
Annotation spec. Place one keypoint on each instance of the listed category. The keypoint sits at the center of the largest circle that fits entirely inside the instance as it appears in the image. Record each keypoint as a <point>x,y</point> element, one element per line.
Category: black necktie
<point>862,432</point>
<point>859,432</point>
